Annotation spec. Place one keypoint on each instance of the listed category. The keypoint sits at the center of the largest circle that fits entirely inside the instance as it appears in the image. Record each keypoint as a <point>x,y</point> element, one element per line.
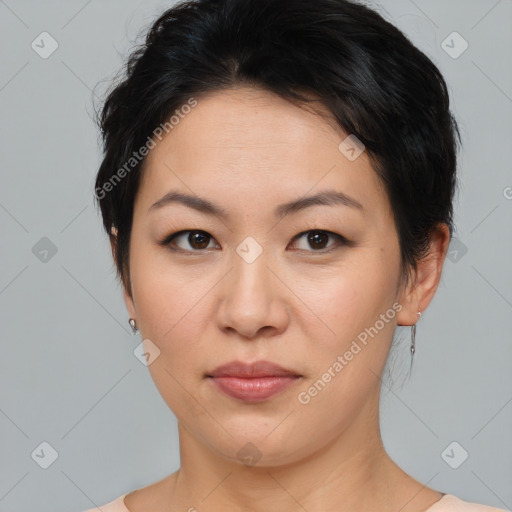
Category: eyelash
<point>341,240</point>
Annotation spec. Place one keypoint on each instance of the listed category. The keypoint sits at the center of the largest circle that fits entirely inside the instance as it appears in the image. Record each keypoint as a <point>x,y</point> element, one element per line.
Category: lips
<point>252,370</point>
<point>255,382</point>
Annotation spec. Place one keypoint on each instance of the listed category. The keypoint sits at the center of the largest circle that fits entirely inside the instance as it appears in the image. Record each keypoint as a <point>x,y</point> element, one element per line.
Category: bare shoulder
<point>151,497</point>
<point>405,493</point>
<point>451,503</point>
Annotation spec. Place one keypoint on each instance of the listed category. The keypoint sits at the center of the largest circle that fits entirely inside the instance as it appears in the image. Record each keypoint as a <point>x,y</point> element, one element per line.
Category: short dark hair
<point>375,82</point>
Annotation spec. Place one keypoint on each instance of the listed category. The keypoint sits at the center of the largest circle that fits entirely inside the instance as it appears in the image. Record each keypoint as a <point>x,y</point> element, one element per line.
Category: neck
<point>352,473</point>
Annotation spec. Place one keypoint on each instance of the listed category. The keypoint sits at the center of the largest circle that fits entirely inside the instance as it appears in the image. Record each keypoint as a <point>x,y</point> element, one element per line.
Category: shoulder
<point>450,503</point>
<point>152,497</point>
<point>116,505</point>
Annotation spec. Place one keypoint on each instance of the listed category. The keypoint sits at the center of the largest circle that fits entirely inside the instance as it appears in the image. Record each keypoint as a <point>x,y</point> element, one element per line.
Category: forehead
<point>227,125</point>
<point>243,144</point>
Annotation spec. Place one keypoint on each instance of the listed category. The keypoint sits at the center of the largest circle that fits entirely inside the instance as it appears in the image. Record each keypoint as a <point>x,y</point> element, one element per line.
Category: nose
<point>253,300</point>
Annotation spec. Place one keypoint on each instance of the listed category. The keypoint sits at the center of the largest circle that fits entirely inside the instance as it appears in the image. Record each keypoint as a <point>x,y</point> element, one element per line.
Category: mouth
<point>252,382</point>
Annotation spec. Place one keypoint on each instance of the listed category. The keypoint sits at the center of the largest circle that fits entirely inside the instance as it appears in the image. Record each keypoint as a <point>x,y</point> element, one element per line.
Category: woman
<point>277,186</point>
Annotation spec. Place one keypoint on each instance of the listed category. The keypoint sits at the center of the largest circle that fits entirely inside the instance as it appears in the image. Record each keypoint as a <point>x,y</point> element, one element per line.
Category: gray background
<point>68,373</point>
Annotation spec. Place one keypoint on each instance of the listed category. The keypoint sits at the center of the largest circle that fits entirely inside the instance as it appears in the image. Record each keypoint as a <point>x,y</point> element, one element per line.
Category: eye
<point>318,239</point>
<point>198,240</point>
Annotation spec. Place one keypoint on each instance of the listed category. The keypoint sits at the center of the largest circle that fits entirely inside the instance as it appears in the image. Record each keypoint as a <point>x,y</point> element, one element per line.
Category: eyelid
<point>341,240</point>
<point>166,242</point>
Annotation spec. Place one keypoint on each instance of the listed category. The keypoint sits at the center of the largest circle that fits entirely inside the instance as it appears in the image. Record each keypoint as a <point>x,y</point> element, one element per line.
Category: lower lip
<point>255,389</point>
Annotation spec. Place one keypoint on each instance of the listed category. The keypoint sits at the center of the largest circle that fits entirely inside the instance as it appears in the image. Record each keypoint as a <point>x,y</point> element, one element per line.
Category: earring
<point>133,325</point>
<point>413,338</point>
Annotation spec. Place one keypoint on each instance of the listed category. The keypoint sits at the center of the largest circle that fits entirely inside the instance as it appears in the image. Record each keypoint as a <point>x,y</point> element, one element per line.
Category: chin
<point>260,450</point>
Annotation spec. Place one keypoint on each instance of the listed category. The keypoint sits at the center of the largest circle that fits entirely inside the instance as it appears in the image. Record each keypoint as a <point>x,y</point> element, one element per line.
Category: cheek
<point>348,361</point>
<point>173,311</point>
<point>352,297</point>
<point>350,302</point>
<point>170,302</point>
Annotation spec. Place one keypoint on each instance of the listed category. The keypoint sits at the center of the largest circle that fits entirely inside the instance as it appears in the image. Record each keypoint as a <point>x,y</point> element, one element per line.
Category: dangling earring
<point>133,325</point>
<point>413,338</point>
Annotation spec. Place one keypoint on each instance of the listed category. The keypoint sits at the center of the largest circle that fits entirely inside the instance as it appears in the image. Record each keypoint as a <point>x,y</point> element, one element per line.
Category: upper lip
<point>248,370</point>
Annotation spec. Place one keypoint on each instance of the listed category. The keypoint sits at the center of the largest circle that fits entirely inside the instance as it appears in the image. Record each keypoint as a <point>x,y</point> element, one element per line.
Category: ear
<point>128,300</point>
<point>421,290</point>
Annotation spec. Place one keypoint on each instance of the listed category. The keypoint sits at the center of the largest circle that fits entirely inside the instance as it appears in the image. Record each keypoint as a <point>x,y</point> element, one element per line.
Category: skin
<point>297,305</point>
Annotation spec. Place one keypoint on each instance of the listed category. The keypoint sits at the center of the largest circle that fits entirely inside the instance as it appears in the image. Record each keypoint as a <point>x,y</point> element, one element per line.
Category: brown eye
<point>197,240</point>
<point>318,240</point>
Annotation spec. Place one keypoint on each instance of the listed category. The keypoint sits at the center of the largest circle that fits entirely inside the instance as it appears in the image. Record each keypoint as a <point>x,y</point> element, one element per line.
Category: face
<point>311,287</point>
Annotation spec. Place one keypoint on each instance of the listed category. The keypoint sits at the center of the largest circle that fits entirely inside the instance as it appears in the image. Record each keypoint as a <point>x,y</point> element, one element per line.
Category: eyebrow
<point>323,198</point>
